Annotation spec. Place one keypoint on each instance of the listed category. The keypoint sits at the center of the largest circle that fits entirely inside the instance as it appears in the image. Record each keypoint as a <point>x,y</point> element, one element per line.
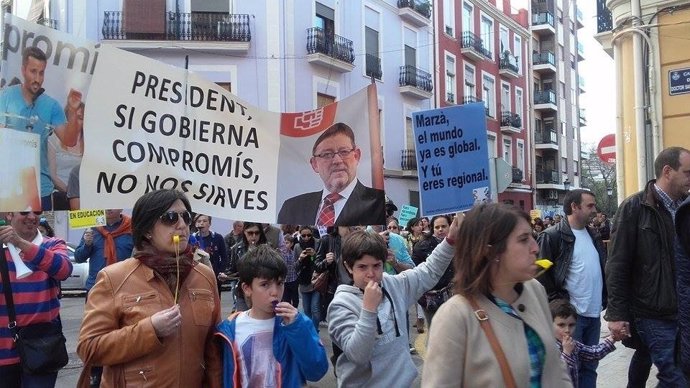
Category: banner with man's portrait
<point>144,125</point>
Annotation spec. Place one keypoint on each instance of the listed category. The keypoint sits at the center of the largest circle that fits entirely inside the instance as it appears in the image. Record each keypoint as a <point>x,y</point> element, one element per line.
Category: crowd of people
<point>152,313</point>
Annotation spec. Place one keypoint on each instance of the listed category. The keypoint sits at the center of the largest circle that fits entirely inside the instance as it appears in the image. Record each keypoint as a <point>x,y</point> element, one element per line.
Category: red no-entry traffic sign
<point>606,150</point>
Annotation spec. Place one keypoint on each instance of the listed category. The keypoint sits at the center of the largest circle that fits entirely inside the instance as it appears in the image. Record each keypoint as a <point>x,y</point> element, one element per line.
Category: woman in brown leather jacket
<point>149,320</point>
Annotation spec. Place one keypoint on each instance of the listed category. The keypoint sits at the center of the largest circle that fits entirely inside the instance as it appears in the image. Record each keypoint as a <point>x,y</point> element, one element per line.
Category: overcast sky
<point>599,99</point>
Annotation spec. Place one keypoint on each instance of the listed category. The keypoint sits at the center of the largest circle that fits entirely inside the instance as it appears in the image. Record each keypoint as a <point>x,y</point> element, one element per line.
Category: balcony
<point>373,67</point>
<point>518,176</point>
<point>604,33</point>
<point>198,30</point>
<point>604,19</point>
<point>472,47</point>
<point>408,160</point>
<point>579,18</point>
<point>332,52</point>
<point>415,83</point>
<point>417,13</point>
<point>547,176</point>
<point>543,24</point>
<point>545,99</point>
<point>580,52</point>
<point>582,118</point>
<point>581,83</point>
<point>52,23</point>
<point>546,139</point>
<point>509,65</point>
<point>450,98</point>
<point>544,62</point>
<point>510,123</point>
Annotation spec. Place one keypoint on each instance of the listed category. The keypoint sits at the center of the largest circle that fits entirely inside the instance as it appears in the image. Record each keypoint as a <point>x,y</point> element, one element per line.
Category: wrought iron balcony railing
<point>52,23</point>
<point>195,26</point>
<point>373,66</point>
<point>510,119</point>
<point>544,97</point>
<point>334,46</point>
<point>547,176</point>
<point>471,99</point>
<point>542,18</point>
<point>411,76</point>
<point>604,19</point>
<point>543,58</point>
<point>509,62</point>
<point>472,41</point>
<point>517,175</point>
<point>422,7</point>
<point>545,136</point>
<point>408,161</point>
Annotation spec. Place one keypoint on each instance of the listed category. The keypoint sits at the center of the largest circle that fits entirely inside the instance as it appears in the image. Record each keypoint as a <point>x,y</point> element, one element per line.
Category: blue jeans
<point>659,336</point>
<point>311,304</point>
<point>587,332</point>
<point>14,377</point>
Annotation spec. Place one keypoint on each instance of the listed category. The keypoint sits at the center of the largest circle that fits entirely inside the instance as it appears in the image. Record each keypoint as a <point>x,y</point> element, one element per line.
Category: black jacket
<point>683,264</point>
<point>641,272</point>
<point>557,244</point>
<point>365,206</point>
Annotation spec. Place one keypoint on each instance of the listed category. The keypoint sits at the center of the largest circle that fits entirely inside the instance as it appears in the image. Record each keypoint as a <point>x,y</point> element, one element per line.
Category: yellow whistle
<point>545,264</point>
<point>176,239</point>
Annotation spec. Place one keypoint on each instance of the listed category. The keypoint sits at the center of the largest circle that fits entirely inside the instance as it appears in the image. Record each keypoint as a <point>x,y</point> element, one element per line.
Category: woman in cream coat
<point>494,265</point>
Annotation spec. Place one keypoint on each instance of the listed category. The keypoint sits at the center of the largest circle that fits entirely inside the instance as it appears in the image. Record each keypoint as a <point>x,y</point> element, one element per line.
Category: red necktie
<point>327,213</point>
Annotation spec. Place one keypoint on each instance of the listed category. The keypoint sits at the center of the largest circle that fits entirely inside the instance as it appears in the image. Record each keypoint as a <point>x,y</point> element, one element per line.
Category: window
<point>491,143</point>
<point>564,165</point>
<point>517,51</point>
<point>521,156</point>
<point>324,19</point>
<point>487,33</point>
<point>409,134</point>
<point>449,17</point>
<point>225,85</point>
<point>489,94</point>
<point>410,47</point>
<point>508,150</point>
<point>519,104</point>
<point>467,17</point>
<point>323,100</point>
<point>470,81</point>
<point>505,97</point>
<point>505,40</point>
<point>450,79</point>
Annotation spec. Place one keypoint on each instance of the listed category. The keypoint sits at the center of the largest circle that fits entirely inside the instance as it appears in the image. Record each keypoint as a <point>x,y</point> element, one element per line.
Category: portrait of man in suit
<point>344,200</point>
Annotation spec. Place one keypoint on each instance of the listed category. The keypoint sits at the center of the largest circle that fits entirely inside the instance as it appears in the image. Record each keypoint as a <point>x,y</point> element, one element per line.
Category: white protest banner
<point>20,173</point>
<point>55,113</point>
<point>152,126</point>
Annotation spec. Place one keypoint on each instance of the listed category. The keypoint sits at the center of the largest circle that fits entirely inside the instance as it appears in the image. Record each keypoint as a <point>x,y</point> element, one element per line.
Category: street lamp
<point>566,184</point>
<point>609,191</point>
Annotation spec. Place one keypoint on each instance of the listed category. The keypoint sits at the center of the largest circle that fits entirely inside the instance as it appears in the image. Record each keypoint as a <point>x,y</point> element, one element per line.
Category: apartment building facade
<point>648,41</point>
<point>482,56</point>
<point>557,86</point>
<point>283,56</point>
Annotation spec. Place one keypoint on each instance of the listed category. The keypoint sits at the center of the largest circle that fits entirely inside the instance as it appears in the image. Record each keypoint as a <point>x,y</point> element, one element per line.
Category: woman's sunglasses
<point>171,218</point>
<point>27,213</point>
<point>252,232</point>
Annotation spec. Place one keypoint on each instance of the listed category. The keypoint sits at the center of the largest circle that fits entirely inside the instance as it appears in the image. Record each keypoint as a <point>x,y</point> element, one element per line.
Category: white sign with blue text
<point>452,158</point>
